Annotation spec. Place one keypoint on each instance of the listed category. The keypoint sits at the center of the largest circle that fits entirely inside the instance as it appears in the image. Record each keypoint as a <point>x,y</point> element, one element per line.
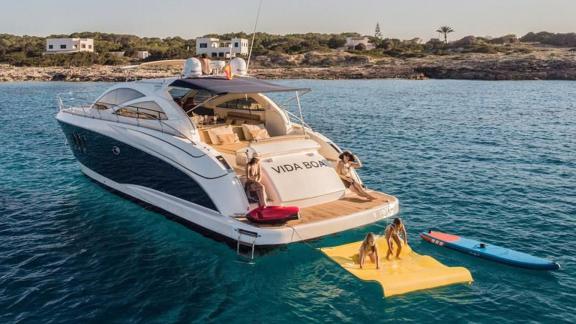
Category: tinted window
<point>143,110</point>
<point>116,97</point>
<point>197,97</point>
<point>243,103</point>
<point>177,92</point>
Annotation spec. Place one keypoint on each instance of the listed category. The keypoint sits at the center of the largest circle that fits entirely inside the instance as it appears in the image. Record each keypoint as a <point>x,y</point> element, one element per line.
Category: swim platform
<point>412,272</point>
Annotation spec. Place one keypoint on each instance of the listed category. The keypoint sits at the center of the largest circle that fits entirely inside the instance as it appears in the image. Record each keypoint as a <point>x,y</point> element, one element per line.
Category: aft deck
<point>347,205</point>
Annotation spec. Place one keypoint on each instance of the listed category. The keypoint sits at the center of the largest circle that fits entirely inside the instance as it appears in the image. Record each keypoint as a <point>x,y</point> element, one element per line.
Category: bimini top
<point>220,86</point>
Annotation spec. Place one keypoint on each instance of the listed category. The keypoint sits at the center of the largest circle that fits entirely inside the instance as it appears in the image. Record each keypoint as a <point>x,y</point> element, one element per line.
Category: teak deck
<point>347,205</point>
<point>230,148</point>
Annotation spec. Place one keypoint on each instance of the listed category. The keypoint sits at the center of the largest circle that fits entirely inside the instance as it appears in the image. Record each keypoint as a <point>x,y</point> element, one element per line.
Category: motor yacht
<point>181,144</point>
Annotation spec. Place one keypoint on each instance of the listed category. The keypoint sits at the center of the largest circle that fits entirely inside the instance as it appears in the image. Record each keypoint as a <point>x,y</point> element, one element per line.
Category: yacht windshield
<point>117,97</point>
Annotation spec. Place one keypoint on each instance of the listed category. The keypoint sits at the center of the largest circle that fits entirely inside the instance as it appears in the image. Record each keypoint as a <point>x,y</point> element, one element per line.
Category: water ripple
<point>493,160</point>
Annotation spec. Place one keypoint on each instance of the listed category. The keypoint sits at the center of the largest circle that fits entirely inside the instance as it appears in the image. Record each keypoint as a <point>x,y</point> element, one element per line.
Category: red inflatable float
<point>273,214</point>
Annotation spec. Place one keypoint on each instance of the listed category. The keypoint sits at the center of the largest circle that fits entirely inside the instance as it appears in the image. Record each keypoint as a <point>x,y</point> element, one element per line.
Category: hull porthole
<point>115,150</point>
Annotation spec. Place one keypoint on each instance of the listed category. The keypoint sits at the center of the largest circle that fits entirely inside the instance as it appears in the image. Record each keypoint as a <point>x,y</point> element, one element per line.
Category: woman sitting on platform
<point>254,180</point>
<point>348,161</point>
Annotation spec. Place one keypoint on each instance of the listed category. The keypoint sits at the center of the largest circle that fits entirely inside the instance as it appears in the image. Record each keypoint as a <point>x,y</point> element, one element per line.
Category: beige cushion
<point>227,138</point>
<point>258,134</point>
<point>214,132</point>
<point>255,132</point>
<point>238,131</point>
<point>204,137</point>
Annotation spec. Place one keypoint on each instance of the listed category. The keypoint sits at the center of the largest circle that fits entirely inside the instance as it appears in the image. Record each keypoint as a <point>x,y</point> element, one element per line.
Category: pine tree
<point>377,32</point>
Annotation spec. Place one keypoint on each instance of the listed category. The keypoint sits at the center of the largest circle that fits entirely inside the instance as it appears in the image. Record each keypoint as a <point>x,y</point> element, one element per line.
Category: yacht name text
<point>292,167</point>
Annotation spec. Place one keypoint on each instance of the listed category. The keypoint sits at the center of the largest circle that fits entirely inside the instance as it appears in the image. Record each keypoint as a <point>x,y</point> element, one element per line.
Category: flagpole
<point>253,35</point>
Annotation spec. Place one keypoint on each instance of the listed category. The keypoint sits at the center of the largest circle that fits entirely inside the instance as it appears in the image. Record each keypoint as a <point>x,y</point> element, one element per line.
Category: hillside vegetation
<point>28,50</point>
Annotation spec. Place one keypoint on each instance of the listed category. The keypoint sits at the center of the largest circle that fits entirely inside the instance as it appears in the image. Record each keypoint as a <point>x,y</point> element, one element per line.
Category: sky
<point>402,19</point>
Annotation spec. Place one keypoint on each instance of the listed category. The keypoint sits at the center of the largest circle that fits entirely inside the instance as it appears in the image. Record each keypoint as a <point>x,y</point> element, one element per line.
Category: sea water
<point>494,161</point>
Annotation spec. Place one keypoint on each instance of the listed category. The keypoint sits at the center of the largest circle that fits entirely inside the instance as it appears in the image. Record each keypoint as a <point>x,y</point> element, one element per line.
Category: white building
<point>117,53</point>
<point>215,48</point>
<point>69,45</point>
<point>142,55</point>
<point>352,42</point>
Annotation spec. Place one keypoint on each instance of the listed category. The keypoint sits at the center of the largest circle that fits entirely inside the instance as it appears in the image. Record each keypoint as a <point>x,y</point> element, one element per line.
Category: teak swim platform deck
<point>347,205</point>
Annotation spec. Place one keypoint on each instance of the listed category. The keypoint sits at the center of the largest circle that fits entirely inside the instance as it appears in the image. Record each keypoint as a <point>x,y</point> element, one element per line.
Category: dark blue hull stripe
<point>125,164</point>
<point>182,166</point>
<point>231,242</point>
<point>175,146</point>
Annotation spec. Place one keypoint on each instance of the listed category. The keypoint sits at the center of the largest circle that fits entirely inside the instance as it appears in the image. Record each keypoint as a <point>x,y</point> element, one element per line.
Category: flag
<point>228,72</point>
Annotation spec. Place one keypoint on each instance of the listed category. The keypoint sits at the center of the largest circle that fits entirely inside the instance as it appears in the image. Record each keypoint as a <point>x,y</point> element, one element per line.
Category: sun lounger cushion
<point>227,138</point>
<point>255,132</point>
<point>273,148</point>
<point>214,132</point>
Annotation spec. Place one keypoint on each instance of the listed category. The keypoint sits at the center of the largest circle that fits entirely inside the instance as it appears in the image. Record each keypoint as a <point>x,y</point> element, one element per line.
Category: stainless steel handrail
<point>293,117</point>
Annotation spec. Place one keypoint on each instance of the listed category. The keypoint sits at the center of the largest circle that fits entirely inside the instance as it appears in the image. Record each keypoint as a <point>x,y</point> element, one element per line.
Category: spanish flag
<point>228,72</point>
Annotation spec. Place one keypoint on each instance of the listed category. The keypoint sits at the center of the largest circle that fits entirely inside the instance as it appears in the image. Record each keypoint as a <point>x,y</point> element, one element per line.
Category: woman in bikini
<point>348,161</point>
<point>392,234</point>
<point>369,249</point>
<point>254,180</point>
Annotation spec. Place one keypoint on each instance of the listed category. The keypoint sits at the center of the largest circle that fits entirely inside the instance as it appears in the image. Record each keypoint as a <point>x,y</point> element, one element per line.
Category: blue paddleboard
<point>489,251</point>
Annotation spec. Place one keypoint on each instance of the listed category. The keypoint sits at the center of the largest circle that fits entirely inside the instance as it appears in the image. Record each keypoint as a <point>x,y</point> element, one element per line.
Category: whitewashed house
<point>352,42</point>
<point>69,45</point>
<point>215,48</point>
<point>142,55</point>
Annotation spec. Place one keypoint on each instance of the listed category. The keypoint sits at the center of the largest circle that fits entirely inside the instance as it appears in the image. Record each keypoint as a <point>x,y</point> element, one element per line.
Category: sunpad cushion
<point>214,132</point>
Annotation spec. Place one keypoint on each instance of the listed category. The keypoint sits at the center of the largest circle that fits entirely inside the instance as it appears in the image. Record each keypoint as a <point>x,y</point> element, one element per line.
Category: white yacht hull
<point>214,224</point>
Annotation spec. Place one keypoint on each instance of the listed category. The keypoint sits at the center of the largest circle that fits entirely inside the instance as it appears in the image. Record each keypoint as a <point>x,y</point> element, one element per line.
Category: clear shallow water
<point>490,160</point>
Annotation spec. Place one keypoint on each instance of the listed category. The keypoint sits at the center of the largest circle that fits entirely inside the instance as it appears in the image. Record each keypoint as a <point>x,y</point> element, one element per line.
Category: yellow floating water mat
<point>412,272</point>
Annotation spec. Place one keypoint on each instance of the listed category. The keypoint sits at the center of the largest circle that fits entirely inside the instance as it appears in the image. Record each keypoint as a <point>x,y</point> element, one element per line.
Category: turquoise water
<point>489,160</point>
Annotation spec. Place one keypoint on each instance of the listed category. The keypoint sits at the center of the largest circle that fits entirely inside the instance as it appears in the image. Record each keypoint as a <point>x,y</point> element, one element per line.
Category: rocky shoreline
<point>542,64</point>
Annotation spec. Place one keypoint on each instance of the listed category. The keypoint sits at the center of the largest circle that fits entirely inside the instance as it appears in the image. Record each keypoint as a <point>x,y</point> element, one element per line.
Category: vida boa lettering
<point>291,167</point>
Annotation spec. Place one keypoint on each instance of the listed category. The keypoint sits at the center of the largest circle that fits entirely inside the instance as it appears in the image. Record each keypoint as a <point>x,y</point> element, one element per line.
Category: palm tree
<point>445,30</point>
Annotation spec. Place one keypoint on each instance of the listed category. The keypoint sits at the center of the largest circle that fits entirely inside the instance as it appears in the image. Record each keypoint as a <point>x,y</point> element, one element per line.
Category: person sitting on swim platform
<point>346,162</point>
<point>254,179</point>
<point>369,249</point>
<point>392,234</point>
